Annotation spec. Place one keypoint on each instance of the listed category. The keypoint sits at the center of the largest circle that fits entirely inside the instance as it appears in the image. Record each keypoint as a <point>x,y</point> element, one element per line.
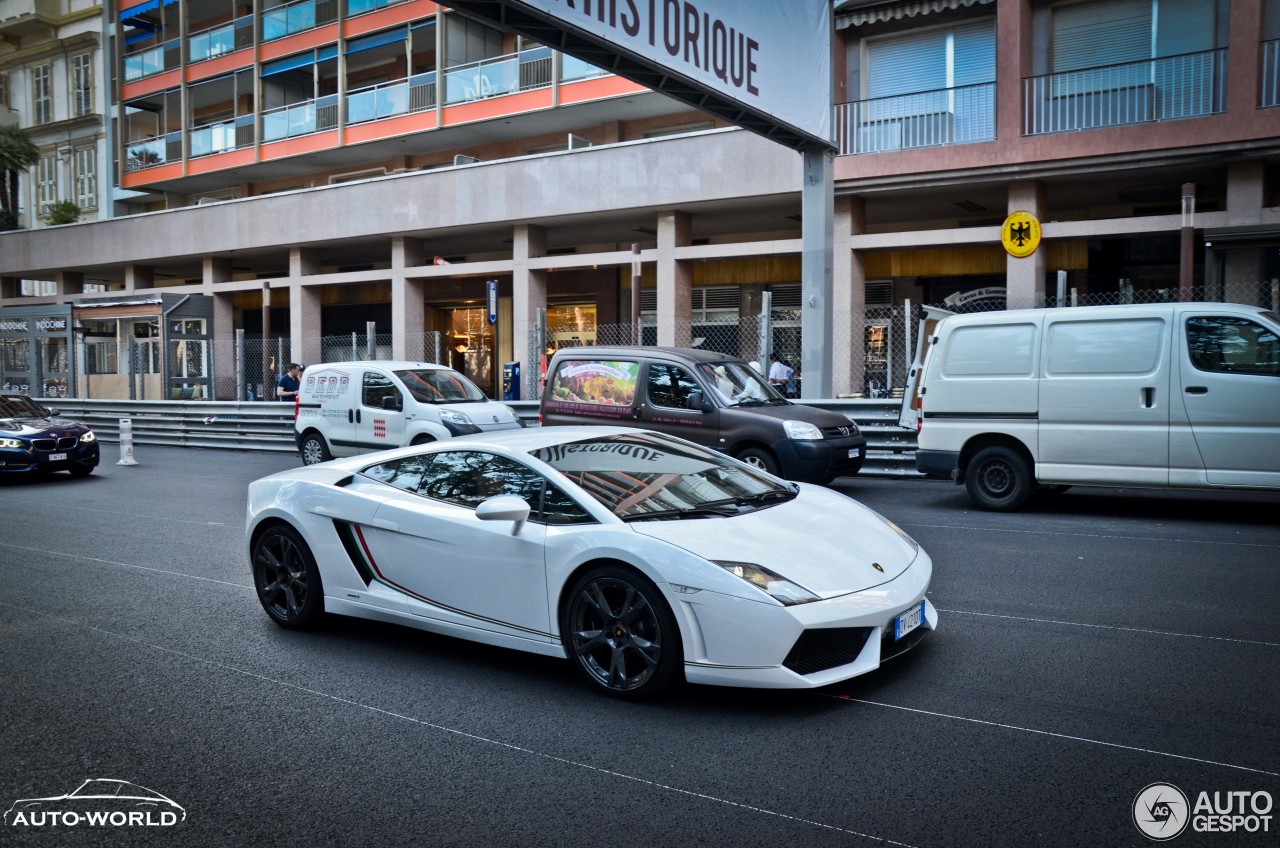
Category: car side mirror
<point>698,401</point>
<point>53,410</point>
<point>391,403</point>
<point>505,508</point>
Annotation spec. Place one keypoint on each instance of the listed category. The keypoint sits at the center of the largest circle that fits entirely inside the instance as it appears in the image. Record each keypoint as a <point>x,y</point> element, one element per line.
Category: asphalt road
<point>1099,643</point>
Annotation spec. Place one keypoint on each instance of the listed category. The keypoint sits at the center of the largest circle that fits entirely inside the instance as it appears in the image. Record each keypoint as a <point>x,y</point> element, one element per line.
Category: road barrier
<point>268,426</point>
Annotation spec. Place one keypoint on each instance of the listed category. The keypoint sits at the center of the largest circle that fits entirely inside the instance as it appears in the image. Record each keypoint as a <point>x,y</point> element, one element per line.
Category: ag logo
<point>1020,234</point>
<point>1160,811</point>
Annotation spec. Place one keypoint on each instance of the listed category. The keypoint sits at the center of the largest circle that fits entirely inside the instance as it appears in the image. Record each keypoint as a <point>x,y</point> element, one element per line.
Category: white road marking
<point>66,506</point>
<point>907,525</point>
<point>1051,734</point>
<point>665,787</point>
<point>1112,627</point>
<point>124,565</point>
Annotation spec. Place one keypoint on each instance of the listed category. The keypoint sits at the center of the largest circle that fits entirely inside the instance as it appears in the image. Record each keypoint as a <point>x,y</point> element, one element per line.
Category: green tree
<point>17,153</point>
<point>62,212</point>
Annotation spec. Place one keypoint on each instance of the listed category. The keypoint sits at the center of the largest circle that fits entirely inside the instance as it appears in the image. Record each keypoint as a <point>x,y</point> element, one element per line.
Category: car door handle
<point>1197,390</point>
<point>639,410</point>
<point>1148,397</point>
<point>351,417</point>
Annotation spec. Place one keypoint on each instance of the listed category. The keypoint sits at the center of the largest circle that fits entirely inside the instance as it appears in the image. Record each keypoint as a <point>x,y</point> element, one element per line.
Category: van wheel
<point>759,458</point>
<point>998,479</point>
<point>314,449</point>
<point>422,439</point>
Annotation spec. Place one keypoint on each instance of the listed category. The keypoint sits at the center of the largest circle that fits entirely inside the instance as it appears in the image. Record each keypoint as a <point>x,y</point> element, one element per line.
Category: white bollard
<point>126,442</point>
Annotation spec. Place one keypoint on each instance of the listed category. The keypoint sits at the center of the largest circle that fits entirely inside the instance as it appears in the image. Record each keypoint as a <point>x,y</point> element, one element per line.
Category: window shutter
<point>1184,26</point>
<point>975,53</point>
<point>911,63</point>
<point>1094,34</point>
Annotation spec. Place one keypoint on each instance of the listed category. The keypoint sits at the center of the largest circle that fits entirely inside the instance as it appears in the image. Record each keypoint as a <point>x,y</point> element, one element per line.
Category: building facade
<point>370,165</point>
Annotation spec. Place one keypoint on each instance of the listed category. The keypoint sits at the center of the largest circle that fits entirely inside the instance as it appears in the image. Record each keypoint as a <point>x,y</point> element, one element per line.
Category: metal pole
<point>635,293</point>
<point>370,340</point>
<point>267,382</point>
<point>1061,299</point>
<point>240,364</point>
<point>909,352</point>
<point>764,341</point>
<point>540,356</point>
<point>133,368</point>
<point>817,214</point>
<point>354,354</point>
<point>1187,258</point>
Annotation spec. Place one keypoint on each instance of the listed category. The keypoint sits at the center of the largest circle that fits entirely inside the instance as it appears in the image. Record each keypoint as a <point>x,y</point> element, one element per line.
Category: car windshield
<point>17,406</point>
<point>647,475</point>
<point>439,385</point>
<point>738,384</point>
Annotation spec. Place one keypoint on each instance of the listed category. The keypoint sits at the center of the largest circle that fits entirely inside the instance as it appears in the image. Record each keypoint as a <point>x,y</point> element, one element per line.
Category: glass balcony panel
<point>212,43</point>
<point>961,115</point>
<point>214,138</point>
<point>490,78</point>
<point>572,68</point>
<point>144,153</point>
<point>295,17</point>
<point>142,65</point>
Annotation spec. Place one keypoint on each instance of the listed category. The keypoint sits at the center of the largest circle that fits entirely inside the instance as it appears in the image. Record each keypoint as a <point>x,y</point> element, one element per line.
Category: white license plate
<point>854,453</point>
<point>908,621</point>
<point>57,457</point>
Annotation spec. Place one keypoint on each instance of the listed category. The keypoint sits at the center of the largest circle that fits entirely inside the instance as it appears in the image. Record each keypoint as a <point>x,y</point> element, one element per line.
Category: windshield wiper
<point>753,402</point>
<point>761,499</point>
<point>692,512</point>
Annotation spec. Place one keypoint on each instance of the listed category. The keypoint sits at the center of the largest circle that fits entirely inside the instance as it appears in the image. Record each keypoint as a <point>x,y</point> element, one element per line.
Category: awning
<point>378,39</point>
<point>301,60</point>
<point>143,8</point>
<point>874,14</point>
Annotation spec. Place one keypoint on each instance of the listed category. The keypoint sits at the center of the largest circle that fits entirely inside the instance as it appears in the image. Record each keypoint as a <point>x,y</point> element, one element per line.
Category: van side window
<point>670,385</point>
<point>1229,345</point>
<point>376,387</point>
<point>1130,346</point>
<point>996,350</point>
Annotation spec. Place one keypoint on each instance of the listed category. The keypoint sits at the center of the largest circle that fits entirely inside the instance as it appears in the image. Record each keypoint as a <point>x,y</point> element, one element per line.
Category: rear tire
<point>762,459</point>
<point>999,479</point>
<point>315,449</point>
<point>287,579</point>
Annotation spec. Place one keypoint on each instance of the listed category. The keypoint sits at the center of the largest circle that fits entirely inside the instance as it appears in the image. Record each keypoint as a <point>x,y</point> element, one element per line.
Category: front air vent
<point>819,650</point>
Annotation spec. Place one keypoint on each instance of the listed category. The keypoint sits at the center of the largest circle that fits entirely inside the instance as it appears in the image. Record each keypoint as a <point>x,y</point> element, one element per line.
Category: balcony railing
<point>300,118</point>
<point>151,152</point>
<point>523,71</point>
<point>222,136</point>
<point>1270,82</point>
<point>573,69</point>
<point>212,43</point>
<point>359,7</point>
<point>297,17</point>
<point>960,115</point>
<point>1185,86</point>
<point>158,59</point>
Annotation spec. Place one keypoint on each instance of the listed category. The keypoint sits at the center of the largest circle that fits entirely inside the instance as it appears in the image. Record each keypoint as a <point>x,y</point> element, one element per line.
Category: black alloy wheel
<point>999,479</point>
<point>314,449</point>
<point>621,634</point>
<point>286,577</point>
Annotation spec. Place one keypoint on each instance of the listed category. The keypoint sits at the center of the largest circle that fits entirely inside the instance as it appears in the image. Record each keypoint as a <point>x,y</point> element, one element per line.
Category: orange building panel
<point>303,144</point>
<point>597,88</point>
<point>390,127</point>
<point>298,42</point>
<point>129,4</point>
<point>496,107</point>
<point>150,85</point>
<point>150,176</point>
<point>390,16</point>
<point>221,65</point>
<point>218,161</point>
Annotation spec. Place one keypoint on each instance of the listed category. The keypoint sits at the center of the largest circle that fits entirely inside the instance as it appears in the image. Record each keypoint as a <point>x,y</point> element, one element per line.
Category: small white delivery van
<point>1183,395</point>
<point>347,408</point>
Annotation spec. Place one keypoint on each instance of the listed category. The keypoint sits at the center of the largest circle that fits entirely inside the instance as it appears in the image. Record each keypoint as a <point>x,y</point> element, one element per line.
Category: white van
<point>347,408</point>
<point>1183,395</point>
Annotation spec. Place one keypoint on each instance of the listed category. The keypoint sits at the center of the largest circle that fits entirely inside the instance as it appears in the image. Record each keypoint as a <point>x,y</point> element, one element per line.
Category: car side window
<point>468,478</point>
<point>377,386</point>
<point>670,385</point>
<point>404,473</point>
<point>1230,345</point>
<point>559,508</point>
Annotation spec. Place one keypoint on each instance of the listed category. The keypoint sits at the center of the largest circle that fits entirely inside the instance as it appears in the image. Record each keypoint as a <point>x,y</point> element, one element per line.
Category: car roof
<point>688,354</point>
<point>390,364</point>
<point>1111,310</point>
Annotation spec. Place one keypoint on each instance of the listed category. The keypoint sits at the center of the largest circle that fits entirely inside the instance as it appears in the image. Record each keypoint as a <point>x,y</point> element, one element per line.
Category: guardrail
<point>267,426</point>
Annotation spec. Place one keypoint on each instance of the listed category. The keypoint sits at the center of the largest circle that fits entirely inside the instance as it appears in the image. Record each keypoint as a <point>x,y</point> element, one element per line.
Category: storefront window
<point>471,345</point>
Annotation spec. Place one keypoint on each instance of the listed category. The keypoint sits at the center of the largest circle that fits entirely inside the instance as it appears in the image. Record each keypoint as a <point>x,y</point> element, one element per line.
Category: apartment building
<point>373,161</point>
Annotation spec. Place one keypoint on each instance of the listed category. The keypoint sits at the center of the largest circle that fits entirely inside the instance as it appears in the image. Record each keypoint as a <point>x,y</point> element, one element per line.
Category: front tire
<point>315,449</point>
<point>762,459</point>
<point>81,470</point>
<point>999,479</point>
<point>287,579</point>
<point>621,634</point>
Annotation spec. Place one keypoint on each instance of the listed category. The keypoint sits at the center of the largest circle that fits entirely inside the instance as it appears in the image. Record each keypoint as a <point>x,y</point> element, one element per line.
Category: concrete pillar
<point>675,280</point>
<point>215,269</point>
<point>70,282</point>
<point>848,297</point>
<point>1243,268</point>
<point>408,294</point>
<point>1014,45</point>
<point>224,344</point>
<point>304,323</point>
<point>1247,20</point>
<point>1026,275</point>
<point>138,277</point>
<point>528,295</point>
<point>302,262</point>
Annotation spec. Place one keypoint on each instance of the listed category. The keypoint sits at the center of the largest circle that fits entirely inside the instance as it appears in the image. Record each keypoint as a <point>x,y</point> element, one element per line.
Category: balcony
<point>28,17</point>
<point>296,119</point>
<point>359,7</point>
<point>523,71</point>
<point>573,69</point>
<point>300,16</point>
<point>219,41</point>
<point>152,152</point>
<point>1270,82</point>
<point>222,136</point>
<point>388,99</point>
<point>958,115</point>
<point>156,60</point>
<point>1186,86</point>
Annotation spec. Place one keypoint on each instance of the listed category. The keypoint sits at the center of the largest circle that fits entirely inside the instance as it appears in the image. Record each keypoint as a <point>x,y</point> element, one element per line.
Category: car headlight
<point>457,418</point>
<point>779,588</point>
<point>10,443</point>
<point>801,430</point>
<point>88,437</point>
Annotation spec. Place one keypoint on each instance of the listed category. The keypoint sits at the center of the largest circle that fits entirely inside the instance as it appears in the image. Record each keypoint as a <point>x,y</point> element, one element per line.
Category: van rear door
<point>1229,373</point>
<point>909,416</point>
<point>1105,398</point>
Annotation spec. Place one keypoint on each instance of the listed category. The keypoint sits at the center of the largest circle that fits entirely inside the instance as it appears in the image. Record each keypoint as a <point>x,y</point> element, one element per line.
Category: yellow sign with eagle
<point>1020,234</point>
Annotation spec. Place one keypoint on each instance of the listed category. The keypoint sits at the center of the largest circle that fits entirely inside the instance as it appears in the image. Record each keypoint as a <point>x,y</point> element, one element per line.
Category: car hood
<point>36,426</point>
<point>821,540</point>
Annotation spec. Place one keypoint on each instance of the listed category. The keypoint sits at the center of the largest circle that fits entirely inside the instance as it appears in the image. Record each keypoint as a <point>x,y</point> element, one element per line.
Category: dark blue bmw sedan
<point>33,438</point>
